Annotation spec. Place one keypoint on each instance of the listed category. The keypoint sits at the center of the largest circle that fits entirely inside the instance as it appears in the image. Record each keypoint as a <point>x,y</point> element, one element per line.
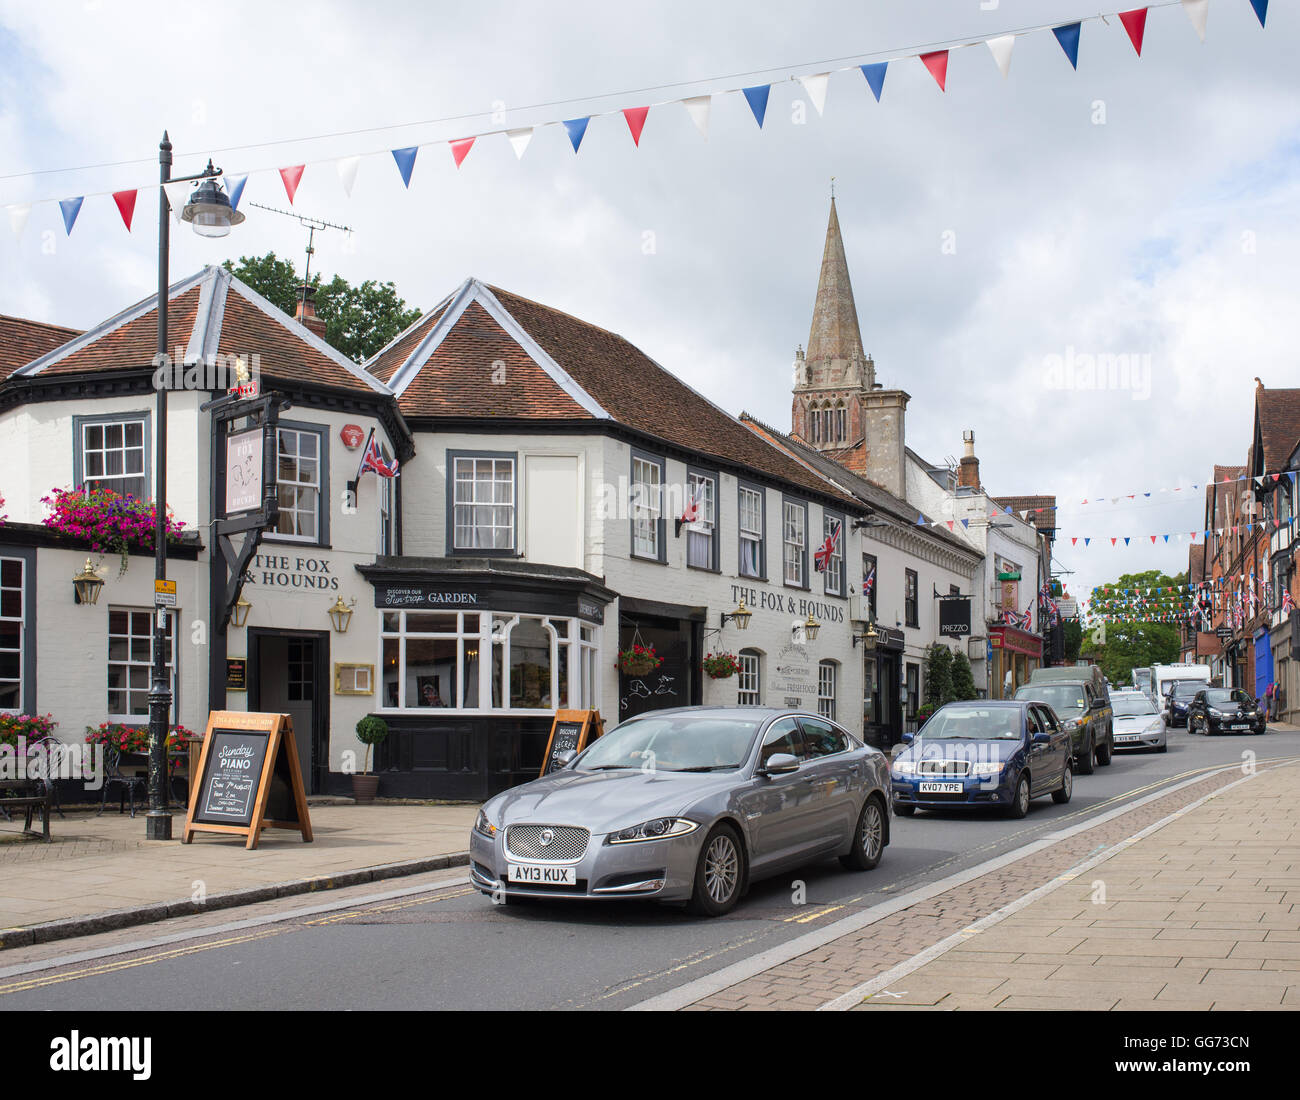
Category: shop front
<point>1015,654</point>
<point>675,633</point>
<point>882,703</point>
<point>476,656</point>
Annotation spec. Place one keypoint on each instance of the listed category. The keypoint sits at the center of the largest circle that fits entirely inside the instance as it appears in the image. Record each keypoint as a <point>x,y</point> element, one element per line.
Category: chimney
<point>968,475</point>
<point>306,311</point>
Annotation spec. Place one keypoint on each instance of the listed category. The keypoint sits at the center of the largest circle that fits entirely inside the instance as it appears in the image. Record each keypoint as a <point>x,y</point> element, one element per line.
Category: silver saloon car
<point>690,804</point>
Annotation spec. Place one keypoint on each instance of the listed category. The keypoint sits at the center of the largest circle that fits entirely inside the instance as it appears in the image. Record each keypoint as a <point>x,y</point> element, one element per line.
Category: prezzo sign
<point>954,616</point>
<point>760,599</point>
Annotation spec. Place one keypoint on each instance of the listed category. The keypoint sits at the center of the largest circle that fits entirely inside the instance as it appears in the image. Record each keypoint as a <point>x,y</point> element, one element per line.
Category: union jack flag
<point>1288,604</point>
<point>692,513</point>
<point>372,458</point>
<point>822,558</point>
<point>869,582</point>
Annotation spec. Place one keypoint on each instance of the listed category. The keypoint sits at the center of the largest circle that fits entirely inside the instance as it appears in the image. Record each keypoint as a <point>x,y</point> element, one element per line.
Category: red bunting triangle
<point>636,122</point>
<point>1074,541</point>
<point>937,63</point>
<point>291,177</point>
<point>1135,23</point>
<point>460,149</point>
<point>1153,538</point>
<point>125,206</point>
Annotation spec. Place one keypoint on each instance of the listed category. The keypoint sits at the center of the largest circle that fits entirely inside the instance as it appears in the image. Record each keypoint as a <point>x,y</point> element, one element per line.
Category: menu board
<point>569,733</point>
<point>249,778</point>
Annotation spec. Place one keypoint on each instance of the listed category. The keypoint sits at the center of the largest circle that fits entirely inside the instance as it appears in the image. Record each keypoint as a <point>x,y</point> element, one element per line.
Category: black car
<point>1179,698</point>
<point>1225,710</point>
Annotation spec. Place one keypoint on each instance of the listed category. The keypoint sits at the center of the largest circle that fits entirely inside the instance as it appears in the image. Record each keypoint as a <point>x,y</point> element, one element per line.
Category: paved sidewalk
<point>1202,913</point>
<point>98,865</point>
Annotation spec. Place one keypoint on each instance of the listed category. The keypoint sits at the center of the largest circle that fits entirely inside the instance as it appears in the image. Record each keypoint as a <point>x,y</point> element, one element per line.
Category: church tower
<point>839,408</point>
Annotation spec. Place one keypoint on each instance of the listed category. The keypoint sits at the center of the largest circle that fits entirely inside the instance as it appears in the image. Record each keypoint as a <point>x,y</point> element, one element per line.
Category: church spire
<point>835,333</point>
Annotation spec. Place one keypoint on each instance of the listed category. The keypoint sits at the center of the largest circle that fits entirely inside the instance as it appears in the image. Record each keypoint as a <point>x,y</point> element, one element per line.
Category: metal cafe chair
<point>126,785</point>
<point>56,755</point>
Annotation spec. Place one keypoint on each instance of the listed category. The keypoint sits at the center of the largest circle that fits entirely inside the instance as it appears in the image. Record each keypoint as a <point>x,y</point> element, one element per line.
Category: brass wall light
<point>740,617</point>
<point>341,615</point>
<point>811,627</point>
<point>239,613</point>
<point>868,639</point>
<point>86,585</point>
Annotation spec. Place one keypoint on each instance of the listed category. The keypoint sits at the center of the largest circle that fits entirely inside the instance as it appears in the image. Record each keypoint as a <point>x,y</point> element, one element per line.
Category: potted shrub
<point>371,730</point>
<point>638,660</point>
<point>719,666</point>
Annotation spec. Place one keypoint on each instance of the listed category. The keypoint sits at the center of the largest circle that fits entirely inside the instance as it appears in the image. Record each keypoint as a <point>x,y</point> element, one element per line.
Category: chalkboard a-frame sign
<point>249,778</point>
<point>572,729</point>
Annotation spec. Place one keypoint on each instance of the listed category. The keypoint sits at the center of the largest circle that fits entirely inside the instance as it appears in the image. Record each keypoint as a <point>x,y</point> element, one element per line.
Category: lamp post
<point>210,212</point>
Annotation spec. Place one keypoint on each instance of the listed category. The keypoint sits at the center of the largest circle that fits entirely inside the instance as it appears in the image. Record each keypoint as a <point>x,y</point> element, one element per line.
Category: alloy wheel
<point>872,834</point>
<point>721,869</point>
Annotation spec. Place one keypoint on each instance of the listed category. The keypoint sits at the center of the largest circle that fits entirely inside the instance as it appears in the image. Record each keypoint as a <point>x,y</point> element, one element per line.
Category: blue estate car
<point>984,753</point>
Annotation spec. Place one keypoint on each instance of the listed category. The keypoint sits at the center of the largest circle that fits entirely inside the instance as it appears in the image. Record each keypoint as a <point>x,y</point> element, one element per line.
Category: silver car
<point>1138,724</point>
<point>690,804</point>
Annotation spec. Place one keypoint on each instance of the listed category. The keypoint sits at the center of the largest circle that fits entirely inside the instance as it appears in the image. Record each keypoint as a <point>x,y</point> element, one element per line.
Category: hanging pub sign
<point>248,778</point>
<point>954,616</point>
<point>571,731</point>
<point>244,471</point>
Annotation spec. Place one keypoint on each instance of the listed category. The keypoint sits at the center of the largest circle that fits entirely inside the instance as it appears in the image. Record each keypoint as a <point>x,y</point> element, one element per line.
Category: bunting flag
<point>177,193</point>
<point>937,63</point>
<point>348,173</point>
<point>1198,11</point>
<point>1261,9</point>
<point>1001,49</point>
<point>875,75</point>
<point>576,128</point>
<point>18,214</point>
<point>292,177</point>
<point>519,140</point>
<point>71,208</point>
<point>1135,23</point>
<point>1068,37</point>
<point>460,149</point>
<point>815,86</point>
<point>756,97</point>
<point>697,106</point>
<point>125,206</point>
<point>636,117</point>
<point>236,187</point>
<point>405,160</point>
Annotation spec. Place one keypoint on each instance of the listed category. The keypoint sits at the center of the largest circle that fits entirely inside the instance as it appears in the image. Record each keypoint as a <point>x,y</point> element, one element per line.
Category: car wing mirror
<point>907,738</point>
<point>779,763</point>
<point>565,758</point>
<point>1041,738</point>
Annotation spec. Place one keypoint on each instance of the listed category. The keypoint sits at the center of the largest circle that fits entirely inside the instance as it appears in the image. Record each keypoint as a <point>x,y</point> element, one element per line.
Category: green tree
<point>938,675</point>
<point>359,320</point>
<point>1073,631</point>
<point>1137,643</point>
<point>963,680</point>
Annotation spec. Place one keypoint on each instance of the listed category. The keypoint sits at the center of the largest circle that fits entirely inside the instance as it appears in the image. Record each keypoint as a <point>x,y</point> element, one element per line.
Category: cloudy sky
<point>998,234</point>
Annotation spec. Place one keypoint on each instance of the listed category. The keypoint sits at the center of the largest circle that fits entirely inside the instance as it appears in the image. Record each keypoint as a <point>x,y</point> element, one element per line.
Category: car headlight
<point>1156,727</point>
<point>994,768</point>
<point>904,769</point>
<point>661,828</point>
<point>1217,713</point>
<point>483,826</point>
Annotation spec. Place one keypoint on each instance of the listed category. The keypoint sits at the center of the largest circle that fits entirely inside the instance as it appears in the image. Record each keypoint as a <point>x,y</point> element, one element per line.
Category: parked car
<point>984,754</point>
<point>1138,724</point>
<point>1225,710</point>
<point>689,804</point>
<point>1179,698</point>
<point>1083,707</point>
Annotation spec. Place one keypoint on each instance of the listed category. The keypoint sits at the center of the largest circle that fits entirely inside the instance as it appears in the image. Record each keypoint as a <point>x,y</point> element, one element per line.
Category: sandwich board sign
<point>572,729</point>
<point>248,778</point>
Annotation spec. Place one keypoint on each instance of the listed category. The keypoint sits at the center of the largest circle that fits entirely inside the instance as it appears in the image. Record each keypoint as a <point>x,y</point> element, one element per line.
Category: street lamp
<point>210,212</point>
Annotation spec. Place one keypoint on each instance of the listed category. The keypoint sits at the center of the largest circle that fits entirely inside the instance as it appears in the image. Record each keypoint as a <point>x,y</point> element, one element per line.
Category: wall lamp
<point>740,616</point>
<point>868,638</point>
<point>810,628</point>
<point>86,585</point>
<point>239,613</point>
<point>341,615</point>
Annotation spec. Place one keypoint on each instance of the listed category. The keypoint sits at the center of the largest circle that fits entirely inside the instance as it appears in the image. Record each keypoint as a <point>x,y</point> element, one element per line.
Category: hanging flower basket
<point>109,523</point>
<point>720,666</point>
<point>638,660</point>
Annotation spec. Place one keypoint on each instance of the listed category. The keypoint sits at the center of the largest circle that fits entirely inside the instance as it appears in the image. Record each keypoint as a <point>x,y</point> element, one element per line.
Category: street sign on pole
<point>164,593</point>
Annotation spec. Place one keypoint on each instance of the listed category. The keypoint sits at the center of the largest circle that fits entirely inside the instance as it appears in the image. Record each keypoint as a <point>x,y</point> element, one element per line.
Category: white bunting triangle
<point>815,86</point>
<point>18,217</point>
<point>178,195</point>
<point>1001,49</point>
<point>348,173</point>
<point>1198,11</point>
<point>698,108</point>
<point>519,140</point>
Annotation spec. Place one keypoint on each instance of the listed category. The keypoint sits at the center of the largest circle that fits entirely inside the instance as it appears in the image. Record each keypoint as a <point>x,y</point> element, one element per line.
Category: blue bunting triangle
<point>71,208</point>
<point>1261,9</point>
<point>406,162</point>
<point>236,190</point>
<point>1068,37</point>
<point>875,75</point>
<point>576,128</point>
<point>757,99</point>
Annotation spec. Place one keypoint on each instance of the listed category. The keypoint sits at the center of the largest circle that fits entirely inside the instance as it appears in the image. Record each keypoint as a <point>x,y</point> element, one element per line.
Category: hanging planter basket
<point>721,666</point>
<point>639,660</point>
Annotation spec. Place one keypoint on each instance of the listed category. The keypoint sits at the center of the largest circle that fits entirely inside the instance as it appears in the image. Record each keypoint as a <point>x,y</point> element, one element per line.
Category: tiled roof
<point>555,366</point>
<point>1278,416</point>
<point>1041,509</point>
<point>21,341</point>
<point>211,313</point>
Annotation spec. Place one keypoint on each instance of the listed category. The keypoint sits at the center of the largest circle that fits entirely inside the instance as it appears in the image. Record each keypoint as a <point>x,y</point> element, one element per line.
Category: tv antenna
<point>313,225</point>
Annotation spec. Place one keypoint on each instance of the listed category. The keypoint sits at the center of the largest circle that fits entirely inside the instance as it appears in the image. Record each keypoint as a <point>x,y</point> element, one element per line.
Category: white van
<point>1163,678</point>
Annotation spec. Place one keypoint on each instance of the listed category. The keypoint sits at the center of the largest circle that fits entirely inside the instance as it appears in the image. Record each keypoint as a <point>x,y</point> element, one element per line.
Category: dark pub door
<point>287,675</point>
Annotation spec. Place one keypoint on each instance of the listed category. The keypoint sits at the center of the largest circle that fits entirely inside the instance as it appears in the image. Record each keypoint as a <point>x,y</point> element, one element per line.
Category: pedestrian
<point>1279,701</point>
<point>1268,702</point>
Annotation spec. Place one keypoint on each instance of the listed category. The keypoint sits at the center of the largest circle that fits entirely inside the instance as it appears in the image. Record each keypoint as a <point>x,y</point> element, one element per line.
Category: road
<point>452,948</point>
